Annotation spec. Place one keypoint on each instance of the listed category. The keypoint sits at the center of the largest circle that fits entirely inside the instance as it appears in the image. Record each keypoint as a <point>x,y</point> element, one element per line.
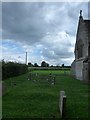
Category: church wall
<point>85,44</point>
<point>78,69</point>
<point>83,39</point>
<point>85,72</point>
<point>73,69</point>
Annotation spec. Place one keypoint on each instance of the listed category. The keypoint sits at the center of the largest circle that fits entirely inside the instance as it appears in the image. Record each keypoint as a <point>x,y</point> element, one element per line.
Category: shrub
<point>12,69</point>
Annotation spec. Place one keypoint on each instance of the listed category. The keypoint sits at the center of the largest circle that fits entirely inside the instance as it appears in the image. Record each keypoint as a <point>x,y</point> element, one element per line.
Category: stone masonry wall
<point>73,69</point>
<point>83,38</point>
<point>79,69</point>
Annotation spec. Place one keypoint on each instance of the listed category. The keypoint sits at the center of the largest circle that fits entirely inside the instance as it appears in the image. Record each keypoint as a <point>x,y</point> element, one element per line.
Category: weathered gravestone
<point>64,72</point>
<point>51,79</point>
<point>30,76</point>
<point>62,103</point>
<point>33,76</point>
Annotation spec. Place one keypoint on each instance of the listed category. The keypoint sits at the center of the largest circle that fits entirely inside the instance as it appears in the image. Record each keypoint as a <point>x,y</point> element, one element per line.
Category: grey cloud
<point>29,23</point>
<point>18,22</point>
<point>56,53</point>
<point>89,9</point>
<point>75,8</point>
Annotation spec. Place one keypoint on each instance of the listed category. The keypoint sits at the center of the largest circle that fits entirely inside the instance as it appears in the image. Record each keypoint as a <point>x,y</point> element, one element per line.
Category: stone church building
<point>80,67</point>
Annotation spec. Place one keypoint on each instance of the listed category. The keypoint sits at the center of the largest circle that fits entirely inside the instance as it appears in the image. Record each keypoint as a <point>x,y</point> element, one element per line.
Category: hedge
<point>12,69</point>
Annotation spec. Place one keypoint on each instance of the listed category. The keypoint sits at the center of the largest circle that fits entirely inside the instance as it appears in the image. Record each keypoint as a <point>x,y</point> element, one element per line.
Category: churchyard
<point>37,95</point>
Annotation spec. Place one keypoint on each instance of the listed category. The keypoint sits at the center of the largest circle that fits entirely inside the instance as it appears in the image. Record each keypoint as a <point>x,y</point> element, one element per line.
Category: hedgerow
<point>11,69</point>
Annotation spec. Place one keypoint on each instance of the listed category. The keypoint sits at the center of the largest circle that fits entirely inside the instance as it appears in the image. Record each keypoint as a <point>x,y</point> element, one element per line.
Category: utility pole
<point>26,58</point>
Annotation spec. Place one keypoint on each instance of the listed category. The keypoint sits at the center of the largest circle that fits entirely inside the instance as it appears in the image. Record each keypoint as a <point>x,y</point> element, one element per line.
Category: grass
<point>39,99</point>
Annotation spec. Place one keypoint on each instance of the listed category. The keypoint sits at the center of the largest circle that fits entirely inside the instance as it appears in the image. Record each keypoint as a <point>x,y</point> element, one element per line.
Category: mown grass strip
<point>28,99</point>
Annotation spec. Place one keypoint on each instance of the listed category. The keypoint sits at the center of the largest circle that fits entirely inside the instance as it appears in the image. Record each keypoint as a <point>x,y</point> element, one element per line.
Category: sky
<point>45,30</point>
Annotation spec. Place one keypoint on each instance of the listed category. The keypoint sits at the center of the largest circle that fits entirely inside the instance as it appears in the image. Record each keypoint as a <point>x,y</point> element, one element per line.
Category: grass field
<point>28,99</point>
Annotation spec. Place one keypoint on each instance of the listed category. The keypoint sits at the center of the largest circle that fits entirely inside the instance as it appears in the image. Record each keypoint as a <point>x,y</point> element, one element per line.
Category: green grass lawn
<point>28,99</point>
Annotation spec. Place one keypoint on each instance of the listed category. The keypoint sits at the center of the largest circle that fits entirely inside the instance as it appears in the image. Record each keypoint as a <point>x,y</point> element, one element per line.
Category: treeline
<point>11,69</point>
<point>45,64</point>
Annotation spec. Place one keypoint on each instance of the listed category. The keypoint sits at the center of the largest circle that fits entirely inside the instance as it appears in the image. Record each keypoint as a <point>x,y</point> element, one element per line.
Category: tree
<point>36,65</point>
<point>57,65</point>
<point>30,64</point>
<point>62,65</point>
<point>51,65</point>
<point>47,64</point>
<point>44,64</point>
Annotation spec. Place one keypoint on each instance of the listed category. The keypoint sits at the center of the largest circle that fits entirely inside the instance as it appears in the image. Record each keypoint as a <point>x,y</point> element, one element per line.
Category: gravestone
<point>30,76</point>
<point>64,72</point>
<point>51,79</point>
<point>62,103</point>
<point>33,76</point>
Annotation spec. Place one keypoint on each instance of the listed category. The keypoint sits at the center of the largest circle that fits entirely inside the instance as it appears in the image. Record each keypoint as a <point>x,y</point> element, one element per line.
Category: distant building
<point>81,65</point>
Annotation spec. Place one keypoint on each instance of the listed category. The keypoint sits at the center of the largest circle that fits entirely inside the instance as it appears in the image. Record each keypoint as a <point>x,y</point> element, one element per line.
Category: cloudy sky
<point>46,30</point>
